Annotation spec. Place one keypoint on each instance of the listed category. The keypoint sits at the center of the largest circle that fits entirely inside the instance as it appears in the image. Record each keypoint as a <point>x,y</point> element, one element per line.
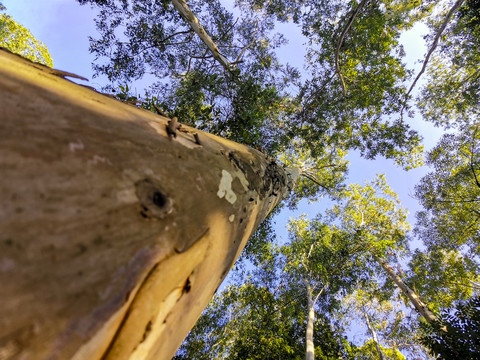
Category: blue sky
<point>64,26</point>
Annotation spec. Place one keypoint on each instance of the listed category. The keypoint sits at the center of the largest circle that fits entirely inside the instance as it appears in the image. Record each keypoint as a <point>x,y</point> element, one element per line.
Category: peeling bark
<point>114,235</point>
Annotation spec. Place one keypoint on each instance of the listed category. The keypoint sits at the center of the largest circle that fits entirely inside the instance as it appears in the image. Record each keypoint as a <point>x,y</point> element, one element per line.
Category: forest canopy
<point>359,262</point>
<point>356,280</point>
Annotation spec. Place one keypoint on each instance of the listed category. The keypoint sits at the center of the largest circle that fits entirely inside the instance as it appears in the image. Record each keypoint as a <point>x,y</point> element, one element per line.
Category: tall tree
<point>383,320</point>
<point>375,214</point>
<point>264,317</point>
<point>323,260</point>
<point>117,224</point>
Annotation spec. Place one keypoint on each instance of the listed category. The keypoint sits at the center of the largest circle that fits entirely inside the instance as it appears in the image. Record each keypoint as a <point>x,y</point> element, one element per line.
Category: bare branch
<point>320,293</point>
<point>311,177</point>
<point>457,201</point>
<point>310,251</point>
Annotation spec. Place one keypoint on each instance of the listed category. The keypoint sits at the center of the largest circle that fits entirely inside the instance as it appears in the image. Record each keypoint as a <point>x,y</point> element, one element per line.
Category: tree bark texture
<point>419,305</point>
<point>114,234</point>
<point>310,346</point>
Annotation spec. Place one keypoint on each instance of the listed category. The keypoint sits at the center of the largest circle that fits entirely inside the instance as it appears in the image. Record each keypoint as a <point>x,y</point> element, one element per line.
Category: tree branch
<point>173,35</point>
<point>340,42</point>
<point>246,47</point>
<point>472,152</point>
<point>187,15</point>
<point>434,44</point>
<point>320,293</point>
<point>311,177</point>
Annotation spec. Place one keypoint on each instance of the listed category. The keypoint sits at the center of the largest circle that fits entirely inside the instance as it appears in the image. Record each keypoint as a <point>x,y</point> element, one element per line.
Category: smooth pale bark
<point>187,15</point>
<point>310,346</point>
<point>421,307</point>
<point>114,235</point>
<point>374,337</point>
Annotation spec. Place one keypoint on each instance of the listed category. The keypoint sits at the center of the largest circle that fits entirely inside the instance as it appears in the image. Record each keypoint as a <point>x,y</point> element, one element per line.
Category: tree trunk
<point>190,18</point>
<point>114,234</point>
<point>374,336</point>
<point>421,307</point>
<point>310,346</point>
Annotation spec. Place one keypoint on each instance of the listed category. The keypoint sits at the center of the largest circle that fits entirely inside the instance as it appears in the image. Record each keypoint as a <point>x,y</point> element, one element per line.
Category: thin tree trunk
<point>340,42</point>
<point>310,346</point>
<point>436,39</point>
<point>421,307</point>
<point>193,22</point>
<point>374,336</point>
<point>114,233</point>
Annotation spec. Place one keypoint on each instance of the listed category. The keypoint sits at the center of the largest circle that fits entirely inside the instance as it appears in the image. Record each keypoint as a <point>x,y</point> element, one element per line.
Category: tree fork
<point>114,235</point>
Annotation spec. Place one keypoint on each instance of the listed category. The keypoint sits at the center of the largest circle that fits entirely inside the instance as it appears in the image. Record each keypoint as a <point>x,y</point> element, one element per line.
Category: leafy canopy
<point>450,194</point>
<point>462,338</point>
<point>451,97</point>
<point>19,40</point>
<point>262,102</point>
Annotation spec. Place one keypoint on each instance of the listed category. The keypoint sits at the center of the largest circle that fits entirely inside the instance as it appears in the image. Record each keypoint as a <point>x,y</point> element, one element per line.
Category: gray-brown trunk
<point>190,18</point>
<point>114,235</point>
<point>419,305</point>
<point>310,346</point>
<point>374,336</point>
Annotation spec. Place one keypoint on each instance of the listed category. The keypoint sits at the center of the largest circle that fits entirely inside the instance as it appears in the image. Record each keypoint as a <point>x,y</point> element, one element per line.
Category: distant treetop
<point>19,40</point>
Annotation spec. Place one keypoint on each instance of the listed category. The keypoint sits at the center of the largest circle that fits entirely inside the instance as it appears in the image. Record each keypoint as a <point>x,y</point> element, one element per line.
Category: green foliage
<point>256,102</point>
<point>451,192</point>
<point>368,351</point>
<point>325,172</point>
<point>461,340</point>
<point>247,104</point>
<point>261,319</point>
<point>441,277</point>
<point>325,257</point>
<point>19,40</point>
<point>374,214</point>
<point>451,97</point>
<point>387,317</point>
<point>361,113</point>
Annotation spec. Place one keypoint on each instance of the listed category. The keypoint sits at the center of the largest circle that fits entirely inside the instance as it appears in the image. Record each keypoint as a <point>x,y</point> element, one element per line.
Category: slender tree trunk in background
<point>310,346</point>
<point>190,18</point>
<point>114,234</point>
<point>374,336</point>
<point>421,307</point>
